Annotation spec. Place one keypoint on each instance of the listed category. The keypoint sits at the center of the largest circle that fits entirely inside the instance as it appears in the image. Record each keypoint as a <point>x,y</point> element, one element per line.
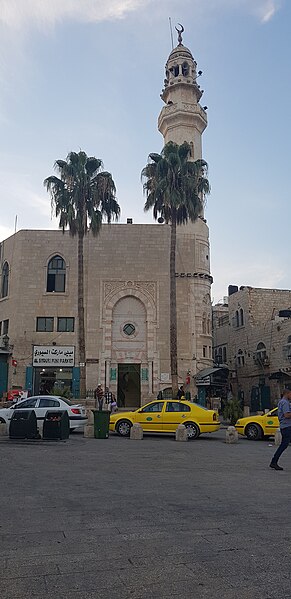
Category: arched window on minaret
<point>185,69</point>
<point>176,70</point>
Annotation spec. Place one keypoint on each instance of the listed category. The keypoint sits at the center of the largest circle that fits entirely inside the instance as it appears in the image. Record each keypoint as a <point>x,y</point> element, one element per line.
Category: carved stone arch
<point>113,292</point>
<point>142,295</point>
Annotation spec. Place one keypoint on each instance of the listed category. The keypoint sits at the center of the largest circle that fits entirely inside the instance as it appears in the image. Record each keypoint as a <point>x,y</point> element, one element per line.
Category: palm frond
<point>82,194</point>
<point>174,185</point>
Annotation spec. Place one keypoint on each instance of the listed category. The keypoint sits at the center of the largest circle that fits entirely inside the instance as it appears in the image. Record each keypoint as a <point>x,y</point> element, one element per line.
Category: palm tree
<point>175,188</point>
<point>81,196</point>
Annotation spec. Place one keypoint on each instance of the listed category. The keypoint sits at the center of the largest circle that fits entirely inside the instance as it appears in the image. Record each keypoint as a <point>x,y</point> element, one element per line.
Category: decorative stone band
<point>190,275</point>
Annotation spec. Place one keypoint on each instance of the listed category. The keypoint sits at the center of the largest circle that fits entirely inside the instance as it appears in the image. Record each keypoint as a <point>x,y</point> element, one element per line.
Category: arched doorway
<point>129,345</point>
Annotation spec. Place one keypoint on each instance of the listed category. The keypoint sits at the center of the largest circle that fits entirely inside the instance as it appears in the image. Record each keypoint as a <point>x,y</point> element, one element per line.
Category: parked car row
<point>161,416</point>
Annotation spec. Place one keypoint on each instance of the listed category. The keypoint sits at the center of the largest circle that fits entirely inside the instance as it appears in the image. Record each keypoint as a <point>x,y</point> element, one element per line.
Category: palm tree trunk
<point>81,317</point>
<point>173,309</point>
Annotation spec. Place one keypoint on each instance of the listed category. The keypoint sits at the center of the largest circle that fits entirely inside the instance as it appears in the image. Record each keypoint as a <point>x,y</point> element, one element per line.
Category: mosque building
<point>126,288</point>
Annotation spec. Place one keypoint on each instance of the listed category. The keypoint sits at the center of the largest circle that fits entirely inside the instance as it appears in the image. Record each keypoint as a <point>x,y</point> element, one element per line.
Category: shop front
<point>53,371</point>
<point>212,386</point>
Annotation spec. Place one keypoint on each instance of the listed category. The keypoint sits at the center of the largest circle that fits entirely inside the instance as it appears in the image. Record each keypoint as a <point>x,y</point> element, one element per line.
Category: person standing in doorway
<point>284,415</point>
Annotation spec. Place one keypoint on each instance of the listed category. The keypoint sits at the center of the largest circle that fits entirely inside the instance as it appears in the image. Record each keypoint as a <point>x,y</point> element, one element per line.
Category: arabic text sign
<point>49,355</point>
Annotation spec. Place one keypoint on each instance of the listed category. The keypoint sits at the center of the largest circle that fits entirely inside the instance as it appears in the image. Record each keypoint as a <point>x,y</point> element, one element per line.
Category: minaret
<point>183,119</point>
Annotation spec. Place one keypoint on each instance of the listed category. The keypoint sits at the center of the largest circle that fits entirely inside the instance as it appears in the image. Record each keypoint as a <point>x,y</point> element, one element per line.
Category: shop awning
<point>207,372</point>
<point>280,374</point>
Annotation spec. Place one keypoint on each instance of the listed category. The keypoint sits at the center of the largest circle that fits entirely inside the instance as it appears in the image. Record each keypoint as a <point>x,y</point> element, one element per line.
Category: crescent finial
<point>180,31</point>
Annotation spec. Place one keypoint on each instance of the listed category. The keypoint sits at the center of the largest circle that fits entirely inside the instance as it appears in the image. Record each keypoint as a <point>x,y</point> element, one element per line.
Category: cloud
<point>267,10</point>
<point>19,13</point>
<point>264,10</point>
<point>22,14</point>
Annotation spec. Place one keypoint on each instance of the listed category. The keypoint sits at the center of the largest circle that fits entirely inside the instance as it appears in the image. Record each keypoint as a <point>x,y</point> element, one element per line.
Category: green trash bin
<point>101,424</point>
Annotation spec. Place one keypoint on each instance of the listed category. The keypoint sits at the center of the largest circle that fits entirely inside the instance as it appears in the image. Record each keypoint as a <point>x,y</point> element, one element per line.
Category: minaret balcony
<point>182,113</point>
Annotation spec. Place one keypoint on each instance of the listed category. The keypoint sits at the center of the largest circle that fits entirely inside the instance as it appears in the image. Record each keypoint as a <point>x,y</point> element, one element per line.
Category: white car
<point>42,403</point>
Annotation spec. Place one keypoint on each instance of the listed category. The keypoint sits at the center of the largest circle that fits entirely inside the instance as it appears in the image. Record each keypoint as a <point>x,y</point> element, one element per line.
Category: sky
<point>87,74</point>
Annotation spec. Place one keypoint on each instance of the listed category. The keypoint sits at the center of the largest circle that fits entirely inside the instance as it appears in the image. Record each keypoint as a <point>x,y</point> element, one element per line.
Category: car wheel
<point>2,421</point>
<point>253,432</point>
<point>193,430</point>
<point>123,428</point>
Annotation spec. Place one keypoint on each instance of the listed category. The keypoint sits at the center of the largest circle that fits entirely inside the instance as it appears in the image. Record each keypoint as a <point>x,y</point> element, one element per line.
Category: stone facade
<point>126,282</point>
<point>257,343</point>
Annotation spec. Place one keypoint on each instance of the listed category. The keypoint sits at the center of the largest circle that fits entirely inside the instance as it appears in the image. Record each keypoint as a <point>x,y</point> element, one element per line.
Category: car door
<point>22,405</point>
<point>176,412</point>
<point>151,417</point>
<point>271,422</point>
<point>45,404</point>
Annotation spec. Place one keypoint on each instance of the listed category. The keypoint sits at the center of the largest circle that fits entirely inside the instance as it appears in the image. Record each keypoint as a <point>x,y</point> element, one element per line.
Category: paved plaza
<point>150,519</point>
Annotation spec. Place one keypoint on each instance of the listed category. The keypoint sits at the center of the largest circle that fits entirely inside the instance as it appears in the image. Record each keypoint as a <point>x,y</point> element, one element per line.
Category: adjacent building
<point>252,337</point>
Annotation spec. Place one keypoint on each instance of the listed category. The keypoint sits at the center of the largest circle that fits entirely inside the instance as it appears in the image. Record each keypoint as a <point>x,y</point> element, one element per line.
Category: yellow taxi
<point>258,427</point>
<point>164,416</point>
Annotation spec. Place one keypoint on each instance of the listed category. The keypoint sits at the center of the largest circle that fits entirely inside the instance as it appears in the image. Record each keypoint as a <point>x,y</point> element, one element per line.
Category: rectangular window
<point>45,324</point>
<point>204,351</point>
<point>66,325</point>
<point>5,327</point>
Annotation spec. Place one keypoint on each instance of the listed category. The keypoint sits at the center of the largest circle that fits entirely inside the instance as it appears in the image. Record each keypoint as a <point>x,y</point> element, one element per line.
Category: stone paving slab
<point>157,519</point>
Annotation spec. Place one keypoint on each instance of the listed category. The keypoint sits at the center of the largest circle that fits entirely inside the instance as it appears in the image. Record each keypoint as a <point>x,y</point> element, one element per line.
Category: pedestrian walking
<point>109,398</point>
<point>284,415</point>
